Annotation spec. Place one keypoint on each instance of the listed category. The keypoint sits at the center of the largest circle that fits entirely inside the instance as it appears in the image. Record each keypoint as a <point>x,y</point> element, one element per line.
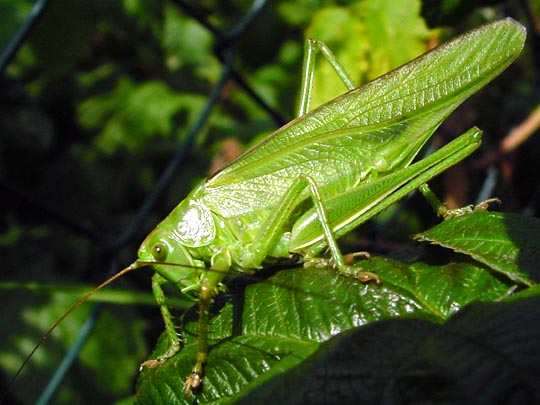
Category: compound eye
<point>159,251</point>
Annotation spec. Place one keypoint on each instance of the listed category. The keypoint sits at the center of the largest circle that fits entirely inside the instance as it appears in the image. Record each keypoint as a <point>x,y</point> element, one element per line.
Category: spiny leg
<point>311,48</point>
<point>175,342</point>
<point>274,224</point>
<point>338,260</point>
<point>194,381</point>
<point>441,210</point>
<point>210,286</point>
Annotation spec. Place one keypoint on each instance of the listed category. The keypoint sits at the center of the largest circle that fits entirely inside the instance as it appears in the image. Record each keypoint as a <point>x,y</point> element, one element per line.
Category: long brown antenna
<point>133,266</point>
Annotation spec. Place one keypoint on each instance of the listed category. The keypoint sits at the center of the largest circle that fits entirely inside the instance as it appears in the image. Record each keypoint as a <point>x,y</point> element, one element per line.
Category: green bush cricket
<point>319,176</point>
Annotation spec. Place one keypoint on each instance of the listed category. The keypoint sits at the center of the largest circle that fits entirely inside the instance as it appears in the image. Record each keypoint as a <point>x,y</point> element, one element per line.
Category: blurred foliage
<point>449,12</point>
<point>364,40</point>
<point>101,95</point>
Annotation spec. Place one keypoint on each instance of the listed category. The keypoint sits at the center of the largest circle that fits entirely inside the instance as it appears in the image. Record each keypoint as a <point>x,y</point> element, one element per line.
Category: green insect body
<point>344,161</point>
<point>317,178</point>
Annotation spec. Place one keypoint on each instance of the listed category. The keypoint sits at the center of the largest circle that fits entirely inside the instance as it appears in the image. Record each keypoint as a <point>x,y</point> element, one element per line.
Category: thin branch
<point>521,133</point>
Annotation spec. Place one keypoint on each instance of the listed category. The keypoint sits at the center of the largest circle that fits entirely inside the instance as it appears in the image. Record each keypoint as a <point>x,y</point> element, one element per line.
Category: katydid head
<point>172,260</point>
<point>161,251</point>
<point>187,231</point>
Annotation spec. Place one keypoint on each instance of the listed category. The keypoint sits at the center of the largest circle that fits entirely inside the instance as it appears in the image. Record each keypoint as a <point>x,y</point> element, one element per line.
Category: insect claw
<point>484,205</point>
<point>469,209</point>
<point>350,257</point>
<point>150,364</point>
<point>367,276</point>
<point>155,363</point>
<point>193,383</point>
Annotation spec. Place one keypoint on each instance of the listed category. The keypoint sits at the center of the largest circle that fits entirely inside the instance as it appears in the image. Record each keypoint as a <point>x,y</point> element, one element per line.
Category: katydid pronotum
<point>342,163</point>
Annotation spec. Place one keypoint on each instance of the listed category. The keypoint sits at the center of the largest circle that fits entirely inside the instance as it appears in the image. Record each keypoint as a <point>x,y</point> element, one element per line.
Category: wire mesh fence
<point>109,246</point>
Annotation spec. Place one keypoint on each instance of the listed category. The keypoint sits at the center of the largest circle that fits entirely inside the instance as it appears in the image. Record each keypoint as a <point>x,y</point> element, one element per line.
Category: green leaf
<point>445,289</point>
<point>137,113</point>
<point>508,243</point>
<point>287,318</point>
<point>488,353</point>
<point>186,42</point>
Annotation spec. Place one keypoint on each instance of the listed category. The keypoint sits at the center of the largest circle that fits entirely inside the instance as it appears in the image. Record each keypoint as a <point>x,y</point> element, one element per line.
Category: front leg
<point>194,381</point>
<point>209,287</point>
<point>170,329</point>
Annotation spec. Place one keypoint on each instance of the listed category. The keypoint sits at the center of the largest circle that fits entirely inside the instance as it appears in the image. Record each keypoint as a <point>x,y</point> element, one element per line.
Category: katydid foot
<point>194,382</point>
<point>347,269</point>
<point>155,363</point>
<point>442,210</point>
<point>469,209</point>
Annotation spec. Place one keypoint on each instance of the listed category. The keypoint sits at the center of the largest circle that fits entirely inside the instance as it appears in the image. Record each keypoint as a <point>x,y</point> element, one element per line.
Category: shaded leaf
<point>285,320</point>
<point>488,353</point>
<point>445,289</point>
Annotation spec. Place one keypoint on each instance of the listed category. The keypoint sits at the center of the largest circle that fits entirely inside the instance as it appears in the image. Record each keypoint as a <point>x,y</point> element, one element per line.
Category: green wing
<point>349,210</point>
<point>370,131</point>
